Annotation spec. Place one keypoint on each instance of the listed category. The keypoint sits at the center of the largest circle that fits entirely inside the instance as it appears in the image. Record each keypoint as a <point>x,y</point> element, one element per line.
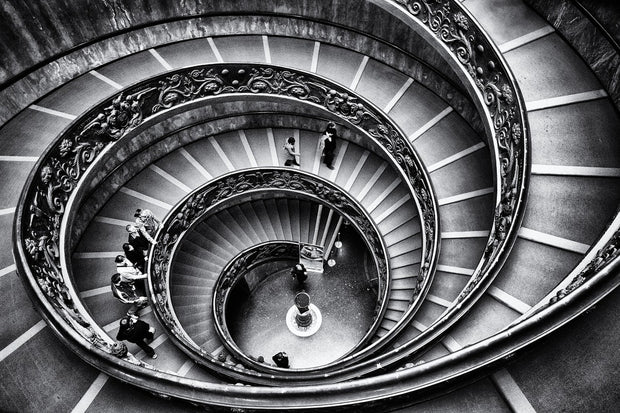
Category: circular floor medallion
<point>317,319</point>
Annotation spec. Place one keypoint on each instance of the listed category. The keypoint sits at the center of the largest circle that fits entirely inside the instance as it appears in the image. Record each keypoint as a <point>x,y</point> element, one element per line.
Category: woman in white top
<point>127,269</point>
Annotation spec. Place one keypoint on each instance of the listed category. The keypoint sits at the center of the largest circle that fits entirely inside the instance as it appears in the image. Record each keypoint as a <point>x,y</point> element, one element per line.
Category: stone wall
<point>45,44</point>
<point>576,22</point>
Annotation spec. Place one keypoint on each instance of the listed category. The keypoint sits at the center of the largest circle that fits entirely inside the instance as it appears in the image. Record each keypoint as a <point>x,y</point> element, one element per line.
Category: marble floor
<point>342,294</point>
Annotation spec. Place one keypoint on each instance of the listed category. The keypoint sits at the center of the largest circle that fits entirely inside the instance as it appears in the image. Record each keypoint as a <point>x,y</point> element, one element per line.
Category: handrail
<point>235,271</point>
<point>491,80</point>
<point>41,222</point>
<point>215,195</point>
<point>601,254</point>
<point>107,37</point>
<point>38,258</point>
<point>368,231</point>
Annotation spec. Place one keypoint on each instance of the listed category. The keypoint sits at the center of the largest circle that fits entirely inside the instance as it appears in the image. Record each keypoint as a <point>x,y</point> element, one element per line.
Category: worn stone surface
<point>35,33</point>
<point>162,138</point>
<point>587,39</point>
<point>75,50</point>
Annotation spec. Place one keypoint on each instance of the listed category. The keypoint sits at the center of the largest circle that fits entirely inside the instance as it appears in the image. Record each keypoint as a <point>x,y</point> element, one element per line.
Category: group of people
<point>131,267</point>
<point>327,147</point>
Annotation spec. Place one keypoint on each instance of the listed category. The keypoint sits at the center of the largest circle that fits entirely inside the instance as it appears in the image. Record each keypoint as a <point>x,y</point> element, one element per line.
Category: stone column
<point>303,318</point>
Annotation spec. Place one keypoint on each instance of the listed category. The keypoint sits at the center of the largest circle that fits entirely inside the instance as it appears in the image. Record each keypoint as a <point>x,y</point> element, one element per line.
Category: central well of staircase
<point>262,321</point>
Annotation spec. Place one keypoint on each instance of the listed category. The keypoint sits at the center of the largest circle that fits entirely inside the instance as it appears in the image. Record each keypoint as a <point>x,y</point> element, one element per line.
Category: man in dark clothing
<point>299,273</point>
<point>134,256</point>
<point>136,239</point>
<point>137,331</point>
<point>281,360</point>
<point>124,289</point>
<point>329,144</point>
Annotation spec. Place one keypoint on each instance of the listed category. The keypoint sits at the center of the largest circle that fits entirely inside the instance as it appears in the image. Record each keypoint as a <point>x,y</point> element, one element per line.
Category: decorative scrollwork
<point>62,169</point>
<point>196,207</point>
<point>198,83</point>
<point>243,263</point>
<point>123,114</point>
<point>474,53</point>
<point>603,257</point>
<point>285,82</point>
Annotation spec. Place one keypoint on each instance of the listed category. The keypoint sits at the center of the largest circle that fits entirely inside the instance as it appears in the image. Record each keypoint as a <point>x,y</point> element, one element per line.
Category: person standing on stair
<point>137,331</point>
<point>328,144</point>
<point>146,221</point>
<point>281,360</point>
<point>135,257</point>
<point>140,240</point>
<point>129,272</point>
<point>290,153</point>
<point>124,289</point>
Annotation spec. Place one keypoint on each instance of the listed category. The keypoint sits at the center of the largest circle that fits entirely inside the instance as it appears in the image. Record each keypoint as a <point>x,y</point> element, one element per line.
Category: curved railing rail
<point>233,187</point>
<point>41,225</point>
<point>599,256</point>
<point>238,267</point>
<point>235,271</point>
<point>42,206</point>
<point>499,97</point>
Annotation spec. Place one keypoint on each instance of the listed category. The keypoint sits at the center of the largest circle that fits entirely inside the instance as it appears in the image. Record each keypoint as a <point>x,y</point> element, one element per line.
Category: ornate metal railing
<point>214,195</point>
<point>600,256</point>
<point>235,271</point>
<point>40,226</point>
<point>41,222</point>
<point>500,99</point>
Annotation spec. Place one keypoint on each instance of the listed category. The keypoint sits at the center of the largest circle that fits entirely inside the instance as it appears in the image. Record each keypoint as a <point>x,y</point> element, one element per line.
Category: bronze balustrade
<point>42,206</point>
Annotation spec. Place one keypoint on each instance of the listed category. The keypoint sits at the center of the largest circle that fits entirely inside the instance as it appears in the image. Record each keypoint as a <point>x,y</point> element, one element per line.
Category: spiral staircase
<point>478,157</point>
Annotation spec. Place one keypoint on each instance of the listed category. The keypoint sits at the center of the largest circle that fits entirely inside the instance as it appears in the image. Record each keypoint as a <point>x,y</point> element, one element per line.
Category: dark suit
<point>138,242</point>
<point>328,150</point>
<point>136,332</point>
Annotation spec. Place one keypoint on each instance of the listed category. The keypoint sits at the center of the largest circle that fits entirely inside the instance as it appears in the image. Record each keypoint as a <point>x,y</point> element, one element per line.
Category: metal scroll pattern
<point>194,208</point>
<point>48,193</point>
<point>59,171</point>
<point>238,267</point>
<point>473,51</point>
<point>210,81</point>
<point>604,256</point>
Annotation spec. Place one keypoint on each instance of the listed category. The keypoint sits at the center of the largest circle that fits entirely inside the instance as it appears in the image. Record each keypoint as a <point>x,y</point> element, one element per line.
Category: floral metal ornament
<point>63,168</point>
<point>199,204</point>
<point>453,27</point>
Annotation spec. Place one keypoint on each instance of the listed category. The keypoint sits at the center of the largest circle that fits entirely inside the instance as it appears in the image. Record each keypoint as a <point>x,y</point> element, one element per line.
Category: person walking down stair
<point>135,257</point>
<point>328,144</point>
<point>124,289</point>
<point>137,331</point>
<point>290,153</point>
<point>138,239</point>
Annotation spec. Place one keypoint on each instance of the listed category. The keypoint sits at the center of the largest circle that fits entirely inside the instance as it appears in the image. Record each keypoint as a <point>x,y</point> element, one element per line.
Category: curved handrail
<point>197,205</point>
<point>491,80</point>
<point>236,270</point>
<point>392,385</point>
<point>40,227</point>
<point>325,18</point>
<point>601,254</point>
<point>214,195</point>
